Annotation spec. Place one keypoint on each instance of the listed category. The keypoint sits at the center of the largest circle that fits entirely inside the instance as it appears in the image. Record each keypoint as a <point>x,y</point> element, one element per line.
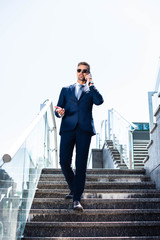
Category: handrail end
<point>6,158</point>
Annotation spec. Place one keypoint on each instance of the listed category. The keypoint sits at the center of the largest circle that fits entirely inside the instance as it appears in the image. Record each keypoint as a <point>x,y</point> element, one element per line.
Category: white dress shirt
<point>77,87</point>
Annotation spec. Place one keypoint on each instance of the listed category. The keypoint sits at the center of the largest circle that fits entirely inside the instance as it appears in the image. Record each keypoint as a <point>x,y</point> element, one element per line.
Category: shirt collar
<point>78,84</point>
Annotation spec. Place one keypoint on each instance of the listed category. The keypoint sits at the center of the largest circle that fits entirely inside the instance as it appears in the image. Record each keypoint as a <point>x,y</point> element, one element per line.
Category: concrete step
<point>98,229</point>
<point>95,203</point>
<point>100,193</point>
<point>116,157</point>
<point>140,164</point>
<point>140,140</point>
<point>139,167</point>
<point>91,238</point>
<point>137,160</point>
<point>140,146</point>
<point>98,185</point>
<point>111,148</point>
<point>142,157</point>
<point>116,153</point>
<point>141,143</point>
<point>140,150</point>
<point>139,154</point>
<point>138,157</point>
<point>94,215</point>
<point>143,150</point>
<point>98,171</point>
<point>100,178</point>
<point>122,166</point>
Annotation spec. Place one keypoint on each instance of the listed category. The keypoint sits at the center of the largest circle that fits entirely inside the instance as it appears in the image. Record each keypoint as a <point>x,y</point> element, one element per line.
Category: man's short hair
<point>86,64</point>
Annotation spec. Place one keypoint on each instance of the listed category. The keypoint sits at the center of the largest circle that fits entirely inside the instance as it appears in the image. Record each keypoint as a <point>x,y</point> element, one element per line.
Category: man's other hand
<point>60,111</point>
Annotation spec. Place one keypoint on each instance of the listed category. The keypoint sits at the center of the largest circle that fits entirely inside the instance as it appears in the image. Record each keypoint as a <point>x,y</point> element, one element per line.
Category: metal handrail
<point>129,123</point>
<point>153,102</point>
<point>12,151</point>
<point>158,78</point>
<point>150,106</point>
<point>153,98</point>
<point>110,134</point>
<point>126,143</point>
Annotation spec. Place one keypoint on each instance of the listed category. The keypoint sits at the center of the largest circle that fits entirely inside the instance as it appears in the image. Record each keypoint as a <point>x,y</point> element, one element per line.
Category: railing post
<point>105,130</point>
<point>48,146</point>
<point>131,157</point>
<point>100,135</point>
<point>150,104</point>
<point>121,153</point>
<point>97,141</point>
<point>109,124</point>
<point>114,141</point>
<point>55,135</point>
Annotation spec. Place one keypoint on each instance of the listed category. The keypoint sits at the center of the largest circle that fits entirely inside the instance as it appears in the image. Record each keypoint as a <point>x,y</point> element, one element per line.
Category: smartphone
<point>90,75</point>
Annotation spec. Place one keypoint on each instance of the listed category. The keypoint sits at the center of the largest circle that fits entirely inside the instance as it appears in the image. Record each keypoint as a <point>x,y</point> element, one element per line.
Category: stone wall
<point>97,161</point>
<point>102,158</point>
<point>107,158</point>
<point>152,163</point>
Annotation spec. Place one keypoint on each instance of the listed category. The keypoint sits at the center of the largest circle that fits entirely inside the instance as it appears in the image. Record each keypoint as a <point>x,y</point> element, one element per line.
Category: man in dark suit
<point>77,127</point>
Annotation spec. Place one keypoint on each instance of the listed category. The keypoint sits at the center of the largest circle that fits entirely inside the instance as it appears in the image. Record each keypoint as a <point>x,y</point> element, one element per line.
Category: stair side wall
<point>102,158</point>
<point>152,165</point>
<point>107,158</point>
<point>97,161</point>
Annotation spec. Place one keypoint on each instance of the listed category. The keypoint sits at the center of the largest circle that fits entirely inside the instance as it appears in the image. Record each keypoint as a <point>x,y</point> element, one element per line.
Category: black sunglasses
<point>82,70</point>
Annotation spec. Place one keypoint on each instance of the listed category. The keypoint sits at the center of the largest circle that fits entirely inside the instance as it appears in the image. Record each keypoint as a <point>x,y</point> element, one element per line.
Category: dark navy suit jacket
<point>78,111</point>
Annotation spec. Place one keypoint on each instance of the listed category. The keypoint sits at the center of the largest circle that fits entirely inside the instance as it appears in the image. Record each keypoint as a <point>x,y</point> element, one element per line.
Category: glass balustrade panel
<point>19,178</point>
<point>120,137</point>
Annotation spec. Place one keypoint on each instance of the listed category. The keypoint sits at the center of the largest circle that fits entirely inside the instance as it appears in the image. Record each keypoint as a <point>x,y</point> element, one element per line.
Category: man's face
<point>82,74</point>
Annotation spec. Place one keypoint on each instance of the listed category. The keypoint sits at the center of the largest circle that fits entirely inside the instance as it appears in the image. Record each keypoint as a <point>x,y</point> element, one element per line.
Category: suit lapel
<point>73,90</point>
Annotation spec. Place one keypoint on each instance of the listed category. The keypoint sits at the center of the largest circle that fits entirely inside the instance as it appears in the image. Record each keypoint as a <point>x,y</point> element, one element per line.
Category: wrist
<point>91,83</point>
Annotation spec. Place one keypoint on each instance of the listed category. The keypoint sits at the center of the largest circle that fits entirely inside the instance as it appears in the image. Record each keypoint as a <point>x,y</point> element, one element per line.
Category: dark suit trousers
<point>80,139</point>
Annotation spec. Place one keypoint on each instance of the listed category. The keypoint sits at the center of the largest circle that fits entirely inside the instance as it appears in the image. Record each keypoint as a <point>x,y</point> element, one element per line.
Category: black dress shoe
<point>69,196</point>
<point>77,206</point>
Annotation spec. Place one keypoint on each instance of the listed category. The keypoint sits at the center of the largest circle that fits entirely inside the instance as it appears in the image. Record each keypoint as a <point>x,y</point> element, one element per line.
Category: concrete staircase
<point>118,204</point>
<point>115,155</point>
<point>140,152</point>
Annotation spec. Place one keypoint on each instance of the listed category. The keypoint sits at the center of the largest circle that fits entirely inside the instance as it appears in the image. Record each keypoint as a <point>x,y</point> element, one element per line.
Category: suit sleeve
<point>97,97</point>
<point>61,102</point>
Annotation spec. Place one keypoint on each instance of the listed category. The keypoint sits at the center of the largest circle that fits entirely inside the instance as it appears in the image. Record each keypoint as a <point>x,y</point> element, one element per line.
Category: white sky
<point>41,42</point>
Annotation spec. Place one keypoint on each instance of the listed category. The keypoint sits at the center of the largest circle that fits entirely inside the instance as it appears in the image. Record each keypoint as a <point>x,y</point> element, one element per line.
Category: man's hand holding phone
<point>89,79</point>
<point>60,111</point>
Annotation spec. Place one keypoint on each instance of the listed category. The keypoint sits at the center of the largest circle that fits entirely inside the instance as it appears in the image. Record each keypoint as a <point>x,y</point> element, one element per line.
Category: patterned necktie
<point>79,91</point>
